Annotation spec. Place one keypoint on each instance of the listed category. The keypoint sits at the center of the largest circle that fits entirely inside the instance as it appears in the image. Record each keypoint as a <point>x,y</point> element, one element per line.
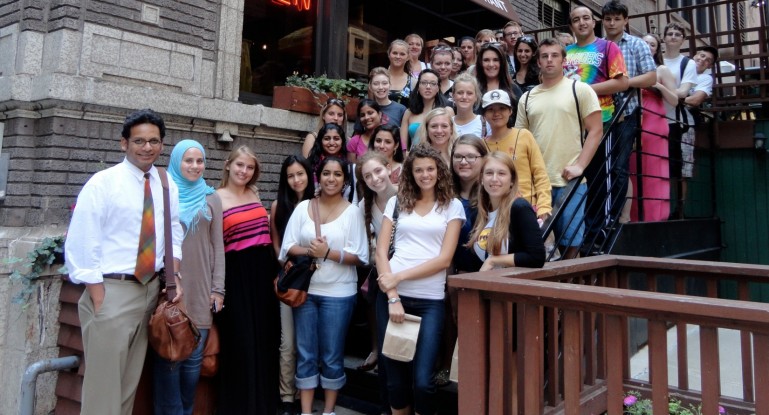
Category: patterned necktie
<point>145,259</point>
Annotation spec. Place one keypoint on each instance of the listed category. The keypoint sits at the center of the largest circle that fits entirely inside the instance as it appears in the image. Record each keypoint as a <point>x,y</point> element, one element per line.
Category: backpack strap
<point>526,107</point>
<point>680,110</point>
<point>579,114</point>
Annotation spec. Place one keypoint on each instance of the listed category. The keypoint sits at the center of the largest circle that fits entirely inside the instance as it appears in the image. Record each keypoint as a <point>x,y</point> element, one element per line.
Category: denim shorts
<point>321,325</point>
<point>568,231</point>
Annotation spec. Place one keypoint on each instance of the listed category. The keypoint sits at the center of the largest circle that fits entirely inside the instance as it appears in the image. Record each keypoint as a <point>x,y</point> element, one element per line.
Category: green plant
<point>45,254</point>
<point>324,84</point>
<point>636,405</point>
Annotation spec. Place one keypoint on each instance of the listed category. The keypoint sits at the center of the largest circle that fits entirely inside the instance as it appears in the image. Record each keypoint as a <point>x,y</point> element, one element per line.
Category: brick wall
<point>527,11</point>
<point>9,12</point>
<point>53,156</point>
<point>189,22</point>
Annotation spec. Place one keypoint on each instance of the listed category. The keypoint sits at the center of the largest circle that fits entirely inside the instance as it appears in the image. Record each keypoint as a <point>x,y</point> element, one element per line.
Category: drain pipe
<point>29,380</point>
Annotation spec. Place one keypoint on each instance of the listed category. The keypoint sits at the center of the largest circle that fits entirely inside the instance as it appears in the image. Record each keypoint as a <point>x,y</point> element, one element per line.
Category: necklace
<point>332,211</point>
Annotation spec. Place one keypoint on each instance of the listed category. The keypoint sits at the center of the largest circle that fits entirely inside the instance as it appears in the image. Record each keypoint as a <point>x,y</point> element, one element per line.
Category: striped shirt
<point>246,226</point>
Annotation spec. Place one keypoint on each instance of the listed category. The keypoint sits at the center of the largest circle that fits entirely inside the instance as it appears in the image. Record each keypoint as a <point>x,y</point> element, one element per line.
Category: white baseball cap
<point>496,96</point>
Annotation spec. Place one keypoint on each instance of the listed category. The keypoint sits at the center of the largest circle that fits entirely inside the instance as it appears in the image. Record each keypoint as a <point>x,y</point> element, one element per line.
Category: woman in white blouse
<point>321,322</point>
<point>413,281</point>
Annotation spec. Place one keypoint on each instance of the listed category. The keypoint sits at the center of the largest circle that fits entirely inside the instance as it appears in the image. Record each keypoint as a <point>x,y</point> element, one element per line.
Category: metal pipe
<point>29,380</point>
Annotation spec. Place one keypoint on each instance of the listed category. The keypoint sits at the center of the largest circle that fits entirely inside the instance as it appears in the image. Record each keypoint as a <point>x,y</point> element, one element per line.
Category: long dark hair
<point>317,154</point>
<point>346,173</point>
<point>368,102</point>
<point>417,104</point>
<point>505,82</point>
<point>286,199</point>
<point>396,133</point>
<point>532,68</point>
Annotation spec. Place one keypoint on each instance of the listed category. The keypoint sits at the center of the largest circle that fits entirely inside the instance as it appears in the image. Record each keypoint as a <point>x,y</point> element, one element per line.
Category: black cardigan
<point>525,236</point>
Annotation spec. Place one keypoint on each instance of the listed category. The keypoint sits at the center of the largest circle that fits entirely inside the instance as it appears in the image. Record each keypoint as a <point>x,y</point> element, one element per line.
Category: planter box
<point>303,100</point>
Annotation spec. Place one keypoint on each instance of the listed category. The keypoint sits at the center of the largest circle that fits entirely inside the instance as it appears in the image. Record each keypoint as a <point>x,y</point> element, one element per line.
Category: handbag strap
<point>390,248</point>
<point>168,242</point>
<point>315,211</point>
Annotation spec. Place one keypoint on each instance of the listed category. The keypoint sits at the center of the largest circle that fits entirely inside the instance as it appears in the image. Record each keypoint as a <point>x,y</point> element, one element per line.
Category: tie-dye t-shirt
<point>595,63</point>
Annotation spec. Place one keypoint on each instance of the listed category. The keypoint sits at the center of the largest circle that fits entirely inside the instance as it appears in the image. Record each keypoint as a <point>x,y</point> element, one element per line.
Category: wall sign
<point>301,5</point>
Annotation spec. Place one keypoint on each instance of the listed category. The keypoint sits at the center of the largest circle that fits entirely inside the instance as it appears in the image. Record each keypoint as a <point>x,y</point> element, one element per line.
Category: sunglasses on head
<point>335,101</point>
<point>442,47</point>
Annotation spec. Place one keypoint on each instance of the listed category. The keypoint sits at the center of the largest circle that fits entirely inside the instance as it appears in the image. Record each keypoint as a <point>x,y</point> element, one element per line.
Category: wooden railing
<point>555,340</point>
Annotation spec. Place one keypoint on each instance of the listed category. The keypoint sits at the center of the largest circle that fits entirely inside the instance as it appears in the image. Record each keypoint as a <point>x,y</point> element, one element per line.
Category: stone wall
<point>55,149</point>
<point>187,22</point>
<point>29,331</point>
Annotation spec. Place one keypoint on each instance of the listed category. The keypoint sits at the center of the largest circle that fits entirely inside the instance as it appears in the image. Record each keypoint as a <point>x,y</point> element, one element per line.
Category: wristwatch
<point>393,300</point>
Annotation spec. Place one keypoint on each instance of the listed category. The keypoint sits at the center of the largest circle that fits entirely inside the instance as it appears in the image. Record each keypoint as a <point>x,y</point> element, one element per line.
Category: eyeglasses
<point>512,34</point>
<point>674,34</point>
<point>141,143</point>
<point>469,158</point>
<point>431,84</point>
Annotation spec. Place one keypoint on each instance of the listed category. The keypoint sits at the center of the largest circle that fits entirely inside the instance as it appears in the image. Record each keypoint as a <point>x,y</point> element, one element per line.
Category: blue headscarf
<point>192,195</point>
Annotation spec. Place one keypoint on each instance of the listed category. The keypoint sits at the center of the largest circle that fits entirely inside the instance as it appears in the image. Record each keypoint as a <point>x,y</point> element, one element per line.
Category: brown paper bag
<point>454,373</point>
<point>400,340</point>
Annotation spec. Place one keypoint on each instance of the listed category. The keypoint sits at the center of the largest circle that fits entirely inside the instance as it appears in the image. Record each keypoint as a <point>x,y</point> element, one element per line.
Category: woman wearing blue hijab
<point>200,212</point>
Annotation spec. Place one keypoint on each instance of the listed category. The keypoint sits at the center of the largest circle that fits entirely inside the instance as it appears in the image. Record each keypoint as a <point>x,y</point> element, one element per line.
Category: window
<point>553,13</point>
<point>278,39</point>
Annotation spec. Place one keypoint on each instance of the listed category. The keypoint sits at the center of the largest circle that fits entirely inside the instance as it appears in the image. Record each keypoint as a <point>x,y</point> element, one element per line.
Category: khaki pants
<point>287,354</point>
<point>115,344</point>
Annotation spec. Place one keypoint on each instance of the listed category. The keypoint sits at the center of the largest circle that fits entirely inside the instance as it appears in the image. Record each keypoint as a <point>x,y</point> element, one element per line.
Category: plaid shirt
<point>638,61</point>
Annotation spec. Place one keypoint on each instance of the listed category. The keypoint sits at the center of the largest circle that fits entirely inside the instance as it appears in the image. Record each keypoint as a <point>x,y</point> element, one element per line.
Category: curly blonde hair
<point>408,190</point>
<point>500,231</point>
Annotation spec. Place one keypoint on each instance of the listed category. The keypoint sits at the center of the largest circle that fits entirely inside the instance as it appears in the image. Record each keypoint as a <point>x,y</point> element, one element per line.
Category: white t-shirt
<point>689,75</point>
<point>474,127</point>
<point>419,239</point>
<point>480,244</point>
<point>376,216</point>
<point>704,83</point>
<point>346,232</point>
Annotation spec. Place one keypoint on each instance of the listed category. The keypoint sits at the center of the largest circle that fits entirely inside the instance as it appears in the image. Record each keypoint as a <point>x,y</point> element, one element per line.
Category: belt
<point>127,277</point>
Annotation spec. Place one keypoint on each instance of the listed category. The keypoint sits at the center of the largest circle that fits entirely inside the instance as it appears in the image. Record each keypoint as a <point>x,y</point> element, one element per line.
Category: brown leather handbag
<point>171,332</point>
<point>210,364</point>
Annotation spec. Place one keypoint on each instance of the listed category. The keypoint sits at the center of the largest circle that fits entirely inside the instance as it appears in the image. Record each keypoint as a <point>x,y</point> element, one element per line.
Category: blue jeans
<point>573,230</point>
<point>419,373</point>
<point>321,325</point>
<point>175,382</point>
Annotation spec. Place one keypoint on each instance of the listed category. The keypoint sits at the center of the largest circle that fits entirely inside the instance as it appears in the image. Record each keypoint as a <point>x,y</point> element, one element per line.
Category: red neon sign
<point>301,5</point>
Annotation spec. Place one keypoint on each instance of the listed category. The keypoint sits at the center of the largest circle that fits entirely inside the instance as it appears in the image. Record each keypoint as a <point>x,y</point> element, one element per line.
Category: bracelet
<point>308,253</point>
<point>341,256</point>
<point>178,274</point>
<point>393,300</point>
<point>326,256</point>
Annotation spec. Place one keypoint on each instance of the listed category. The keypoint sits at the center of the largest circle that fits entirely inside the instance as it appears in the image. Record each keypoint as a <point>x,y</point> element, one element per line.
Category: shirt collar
<point>137,172</point>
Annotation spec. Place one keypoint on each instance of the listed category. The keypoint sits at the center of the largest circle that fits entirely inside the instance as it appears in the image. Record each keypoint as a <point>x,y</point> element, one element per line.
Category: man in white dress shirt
<point>111,233</point>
